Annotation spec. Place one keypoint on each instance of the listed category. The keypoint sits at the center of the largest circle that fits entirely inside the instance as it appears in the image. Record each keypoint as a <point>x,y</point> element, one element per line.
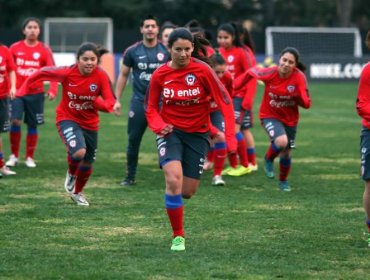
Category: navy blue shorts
<point>217,119</point>
<point>242,117</point>
<point>275,128</point>
<point>32,106</point>
<point>189,148</point>
<point>365,153</point>
<point>75,138</point>
<point>4,115</point>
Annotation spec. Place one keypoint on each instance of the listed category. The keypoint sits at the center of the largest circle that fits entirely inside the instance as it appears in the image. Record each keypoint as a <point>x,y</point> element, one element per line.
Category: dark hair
<point>367,42</point>
<point>88,46</point>
<point>148,17</point>
<point>27,20</point>
<point>194,27</point>
<point>102,50</point>
<point>231,29</point>
<point>165,25</point>
<point>217,59</point>
<point>199,42</point>
<point>296,55</point>
<point>246,37</point>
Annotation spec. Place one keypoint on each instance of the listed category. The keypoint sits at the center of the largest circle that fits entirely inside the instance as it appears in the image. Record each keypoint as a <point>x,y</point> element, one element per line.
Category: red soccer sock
<point>220,156</point>
<point>15,139</point>
<point>272,152</point>
<point>211,154</point>
<point>251,152</point>
<point>83,175</point>
<point>1,160</point>
<point>285,166</point>
<point>176,217</point>
<point>31,142</point>
<point>242,149</point>
<point>233,160</point>
<point>73,165</point>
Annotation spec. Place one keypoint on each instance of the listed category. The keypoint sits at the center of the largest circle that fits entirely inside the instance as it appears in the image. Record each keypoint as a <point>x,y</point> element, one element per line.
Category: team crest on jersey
<point>93,87</point>
<point>291,88</point>
<point>160,56</point>
<point>190,79</point>
<point>230,58</point>
<point>36,55</point>
<point>72,143</point>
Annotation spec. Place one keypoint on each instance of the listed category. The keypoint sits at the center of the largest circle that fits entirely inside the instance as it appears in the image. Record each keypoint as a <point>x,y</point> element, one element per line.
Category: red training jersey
<point>6,65</point>
<point>237,63</point>
<point>185,99</point>
<point>81,95</point>
<point>227,81</point>
<point>282,96</point>
<point>29,59</point>
<point>251,86</point>
<point>363,96</point>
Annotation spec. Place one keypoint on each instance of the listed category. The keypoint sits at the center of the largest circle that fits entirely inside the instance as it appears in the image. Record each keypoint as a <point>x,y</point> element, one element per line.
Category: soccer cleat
<point>269,169</point>
<point>253,167</point>
<point>217,181</point>
<point>239,171</point>
<point>30,162</point>
<point>13,161</point>
<point>80,199</point>
<point>128,182</point>
<point>367,238</point>
<point>6,171</point>
<point>284,186</point>
<point>208,165</point>
<point>178,244</point>
<point>69,183</point>
<point>226,170</point>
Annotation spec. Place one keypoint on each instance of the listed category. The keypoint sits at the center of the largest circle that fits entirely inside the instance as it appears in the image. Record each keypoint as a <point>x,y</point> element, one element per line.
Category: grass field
<point>246,230</point>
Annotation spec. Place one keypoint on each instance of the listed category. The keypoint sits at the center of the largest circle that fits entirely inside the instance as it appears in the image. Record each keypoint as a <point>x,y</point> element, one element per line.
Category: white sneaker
<point>13,161</point>
<point>6,171</point>
<point>253,167</point>
<point>30,162</point>
<point>69,183</point>
<point>217,181</point>
<point>80,199</point>
<point>208,165</point>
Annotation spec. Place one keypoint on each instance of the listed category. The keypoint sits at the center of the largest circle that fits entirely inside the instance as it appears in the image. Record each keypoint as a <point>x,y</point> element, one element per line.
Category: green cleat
<point>367,238</point>
<point>178,244</point>
<point>284,186</point>
<point>239,171</point>
<point>226,170</point>
<point>269,169</point>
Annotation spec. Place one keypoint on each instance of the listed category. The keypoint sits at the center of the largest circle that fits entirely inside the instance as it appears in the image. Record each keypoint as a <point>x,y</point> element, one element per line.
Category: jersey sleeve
<point>151,105</point>
<point>223,100</point>
<point>52,74</point>
<point>303,98</point>
<point>363,95</point>
<point>127,57</point>
<point>53,89</point>
<point>106,101</point>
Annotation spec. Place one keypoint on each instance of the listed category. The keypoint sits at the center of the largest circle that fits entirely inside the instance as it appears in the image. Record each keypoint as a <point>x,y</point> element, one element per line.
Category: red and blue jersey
<point>181,97</point>
<point>29,59</point>
<point>6,65</point>
<point>82,95</point>
<point>282,96</point>
<point>363,96</point>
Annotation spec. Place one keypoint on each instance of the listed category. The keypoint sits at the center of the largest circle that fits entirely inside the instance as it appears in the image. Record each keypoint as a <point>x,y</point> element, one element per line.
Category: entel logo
<point>168,93</point>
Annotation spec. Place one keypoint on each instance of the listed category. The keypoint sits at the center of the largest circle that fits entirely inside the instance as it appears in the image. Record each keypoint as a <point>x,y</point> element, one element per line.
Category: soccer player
<point>29,56</point>
<point>86,89</point>
<point>285,91</point>
<point>142,58</point>
<point>218,151</point>
<point>7,89</point>
<point>363,110</point>
<point>177,109</point>
<point>165,32</point>
<point>237,63</point>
